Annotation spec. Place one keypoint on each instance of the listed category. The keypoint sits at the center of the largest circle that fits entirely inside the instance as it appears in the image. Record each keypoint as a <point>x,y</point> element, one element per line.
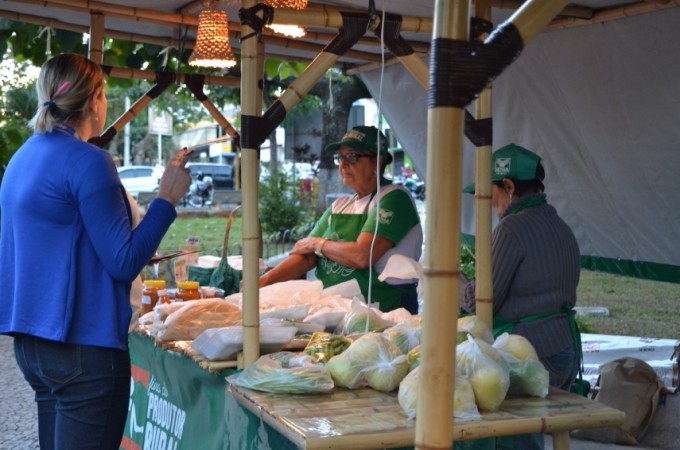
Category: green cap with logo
<point>363,138</point>
<point>511,161</point>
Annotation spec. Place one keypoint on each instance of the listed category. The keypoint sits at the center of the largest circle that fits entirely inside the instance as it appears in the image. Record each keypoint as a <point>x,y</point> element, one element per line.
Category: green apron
<point>346,228</point>
<point>502,325</point>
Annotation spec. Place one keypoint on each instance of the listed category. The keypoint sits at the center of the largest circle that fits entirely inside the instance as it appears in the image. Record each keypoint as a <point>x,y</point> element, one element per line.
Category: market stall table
<point>369,419</point>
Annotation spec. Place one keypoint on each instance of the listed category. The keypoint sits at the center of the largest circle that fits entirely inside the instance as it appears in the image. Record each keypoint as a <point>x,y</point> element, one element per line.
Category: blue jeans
<point>82,392</point>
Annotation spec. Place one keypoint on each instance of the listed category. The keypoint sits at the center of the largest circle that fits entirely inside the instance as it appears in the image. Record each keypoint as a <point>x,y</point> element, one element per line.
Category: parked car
<point>138,179</point>
<point>222,174</point>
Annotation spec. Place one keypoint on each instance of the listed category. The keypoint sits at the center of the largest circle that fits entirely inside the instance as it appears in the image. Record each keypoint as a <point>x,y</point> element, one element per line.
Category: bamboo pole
<point>96,38</point>
<point>483,263</point>
<point>150,75</point>
<point>534,15</point>
<point>442,252</point>
<point>249,190</point>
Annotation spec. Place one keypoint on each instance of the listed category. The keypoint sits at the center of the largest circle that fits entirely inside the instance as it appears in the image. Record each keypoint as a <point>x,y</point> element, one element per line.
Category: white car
<point>138,179</point>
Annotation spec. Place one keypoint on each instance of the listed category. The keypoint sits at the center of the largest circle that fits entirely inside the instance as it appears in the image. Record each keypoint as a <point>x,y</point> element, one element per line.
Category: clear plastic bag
<point>284,373</point>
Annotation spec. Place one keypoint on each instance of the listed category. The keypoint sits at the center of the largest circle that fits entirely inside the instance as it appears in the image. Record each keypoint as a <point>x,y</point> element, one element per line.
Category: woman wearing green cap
<point>344,244</point>
<point>536,269</point>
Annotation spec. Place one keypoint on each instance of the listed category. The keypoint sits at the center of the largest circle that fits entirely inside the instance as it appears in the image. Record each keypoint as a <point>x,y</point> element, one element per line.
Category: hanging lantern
<point>294,31</point>
<point>212,41</point>
<point>294,4</point>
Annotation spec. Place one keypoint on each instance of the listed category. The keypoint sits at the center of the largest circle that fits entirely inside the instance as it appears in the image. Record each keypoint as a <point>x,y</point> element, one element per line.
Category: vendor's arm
<point>351,254</point>
<point>291,268</point>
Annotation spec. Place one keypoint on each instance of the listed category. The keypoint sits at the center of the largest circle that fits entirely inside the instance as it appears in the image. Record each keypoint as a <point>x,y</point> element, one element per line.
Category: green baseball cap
<point>363,138</point>
<point>511,161</point>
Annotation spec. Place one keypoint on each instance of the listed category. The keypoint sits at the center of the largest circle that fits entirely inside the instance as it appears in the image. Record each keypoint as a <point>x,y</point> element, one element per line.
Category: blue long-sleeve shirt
<point>68,253</point>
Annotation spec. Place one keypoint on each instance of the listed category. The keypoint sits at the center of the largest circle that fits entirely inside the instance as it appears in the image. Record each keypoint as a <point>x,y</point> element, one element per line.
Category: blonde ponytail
<point>66,84</point>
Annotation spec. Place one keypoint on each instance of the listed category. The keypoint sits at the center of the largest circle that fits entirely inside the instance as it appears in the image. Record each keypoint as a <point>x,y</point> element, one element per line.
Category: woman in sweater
<point>535,265</point>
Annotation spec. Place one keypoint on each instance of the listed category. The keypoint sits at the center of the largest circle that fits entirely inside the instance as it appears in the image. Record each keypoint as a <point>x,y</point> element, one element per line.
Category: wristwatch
<point>319,247</point>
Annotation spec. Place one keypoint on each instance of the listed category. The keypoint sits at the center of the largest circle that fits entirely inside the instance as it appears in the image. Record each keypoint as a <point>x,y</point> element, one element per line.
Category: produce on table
<point>405,335</point>
<point>323,345</point>
<point>474,326</point>
<point>284,373</point>
<point>527,377</point>
<point>371,360</point>
<point>355,322</point>
<point>516,345</point>
<point>464,406</point>
<point>486,370</point>
<point>413,358</point>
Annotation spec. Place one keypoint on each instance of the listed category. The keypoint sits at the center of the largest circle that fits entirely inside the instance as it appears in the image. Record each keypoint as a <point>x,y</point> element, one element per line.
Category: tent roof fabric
<point>600,103</point>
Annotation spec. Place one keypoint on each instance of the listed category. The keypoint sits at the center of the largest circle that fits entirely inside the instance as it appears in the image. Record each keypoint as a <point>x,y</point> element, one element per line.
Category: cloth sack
<point>632,386</point>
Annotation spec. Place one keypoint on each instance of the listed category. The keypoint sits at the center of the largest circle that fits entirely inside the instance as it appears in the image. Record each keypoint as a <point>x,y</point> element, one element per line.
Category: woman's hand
<point>306,246</point>
<point>176,178</point>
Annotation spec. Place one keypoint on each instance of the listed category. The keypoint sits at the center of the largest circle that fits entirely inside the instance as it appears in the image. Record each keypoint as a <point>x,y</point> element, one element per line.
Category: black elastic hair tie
<point>50,105</point>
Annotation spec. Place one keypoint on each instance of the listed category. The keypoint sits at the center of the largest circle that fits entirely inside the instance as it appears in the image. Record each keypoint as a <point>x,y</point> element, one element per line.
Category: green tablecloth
<point>177,405</point>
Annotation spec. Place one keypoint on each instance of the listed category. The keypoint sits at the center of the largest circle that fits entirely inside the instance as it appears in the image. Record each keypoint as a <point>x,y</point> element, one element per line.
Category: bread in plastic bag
<point>284,373</point>
<point>193,317</point>
<point>222,344</point>
<point>464,406</point>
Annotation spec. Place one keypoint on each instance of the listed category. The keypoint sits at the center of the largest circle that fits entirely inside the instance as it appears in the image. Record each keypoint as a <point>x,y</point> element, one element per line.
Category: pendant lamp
<point>294,31</point>
<point>212,47</point>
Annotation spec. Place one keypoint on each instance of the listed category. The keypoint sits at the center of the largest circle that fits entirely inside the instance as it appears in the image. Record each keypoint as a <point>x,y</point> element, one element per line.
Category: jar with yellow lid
<point>187,290</point>
<point>154,290</point>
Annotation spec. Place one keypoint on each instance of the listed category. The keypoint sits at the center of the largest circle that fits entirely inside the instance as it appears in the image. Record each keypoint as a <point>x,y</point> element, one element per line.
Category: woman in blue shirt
<point>68,256</point>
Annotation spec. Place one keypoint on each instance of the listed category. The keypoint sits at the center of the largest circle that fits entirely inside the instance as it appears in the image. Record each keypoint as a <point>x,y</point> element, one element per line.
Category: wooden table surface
<point>369,419</point>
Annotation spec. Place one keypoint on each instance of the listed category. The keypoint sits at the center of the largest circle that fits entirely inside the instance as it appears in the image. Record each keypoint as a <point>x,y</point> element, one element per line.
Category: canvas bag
<point>632,386</point>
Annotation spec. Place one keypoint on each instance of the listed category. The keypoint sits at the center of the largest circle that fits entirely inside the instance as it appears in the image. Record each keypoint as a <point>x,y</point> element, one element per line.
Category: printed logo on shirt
<point>502,166</point>
<point>386,216</point>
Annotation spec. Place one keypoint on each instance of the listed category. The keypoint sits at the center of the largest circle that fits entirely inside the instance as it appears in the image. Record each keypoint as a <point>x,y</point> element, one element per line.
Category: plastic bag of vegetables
<point>474,326</point>
<point>372,360</point>
<point>405,335</point>
<point>518,346</point>
<point>284,373</point>
<point>464,406</point>
<point>486,370</point>
<point>323,345</point>
<point>362,319</point>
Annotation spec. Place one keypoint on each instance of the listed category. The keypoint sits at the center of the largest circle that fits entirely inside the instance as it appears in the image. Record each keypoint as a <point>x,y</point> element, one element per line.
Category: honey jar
<point>153,290</point>
<point>187,290</point>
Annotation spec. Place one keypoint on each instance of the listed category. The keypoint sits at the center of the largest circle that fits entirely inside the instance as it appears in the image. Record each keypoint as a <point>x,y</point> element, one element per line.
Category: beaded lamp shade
<point>295,4</point>
<point>288,30</point>
<point>212,47</point>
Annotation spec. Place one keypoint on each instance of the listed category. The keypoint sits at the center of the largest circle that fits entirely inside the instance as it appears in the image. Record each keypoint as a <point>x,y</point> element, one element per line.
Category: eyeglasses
<point>350,158</point>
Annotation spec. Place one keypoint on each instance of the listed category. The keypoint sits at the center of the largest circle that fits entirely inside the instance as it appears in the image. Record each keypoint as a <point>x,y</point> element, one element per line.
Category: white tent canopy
<point>601,105</point>
<point>597,95</point>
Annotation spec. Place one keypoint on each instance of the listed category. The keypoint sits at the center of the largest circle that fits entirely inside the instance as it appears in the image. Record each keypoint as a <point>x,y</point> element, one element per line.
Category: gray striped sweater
<point>536,268</point>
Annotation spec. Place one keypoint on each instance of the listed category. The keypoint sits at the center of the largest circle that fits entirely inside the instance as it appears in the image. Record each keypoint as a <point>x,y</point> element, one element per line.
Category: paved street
<point>18,414</point>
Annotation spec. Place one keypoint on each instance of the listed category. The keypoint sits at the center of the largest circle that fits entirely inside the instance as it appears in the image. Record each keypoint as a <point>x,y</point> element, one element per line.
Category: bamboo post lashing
<point>249,190</point>
<point>483,262</point>
<point>442,250</point>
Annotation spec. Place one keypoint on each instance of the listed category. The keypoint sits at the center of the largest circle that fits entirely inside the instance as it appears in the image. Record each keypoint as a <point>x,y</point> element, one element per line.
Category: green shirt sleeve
<point>322,225</point>
<point>397,216</point>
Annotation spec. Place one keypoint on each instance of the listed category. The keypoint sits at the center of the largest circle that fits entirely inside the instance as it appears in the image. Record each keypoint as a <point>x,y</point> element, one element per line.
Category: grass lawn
<point>636,307</point>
